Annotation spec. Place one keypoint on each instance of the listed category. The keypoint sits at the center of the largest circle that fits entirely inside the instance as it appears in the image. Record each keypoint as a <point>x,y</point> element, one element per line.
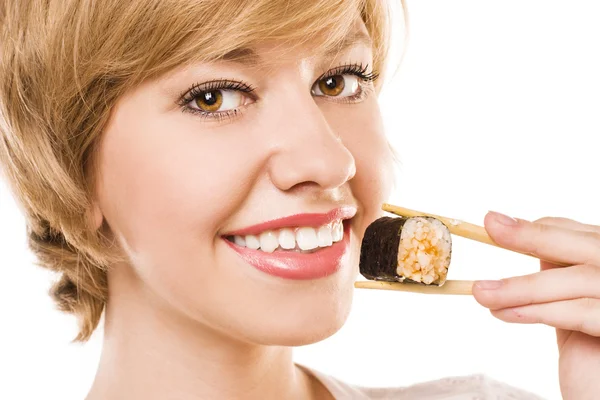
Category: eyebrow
<point>242,55</point>
<point>248,56</point>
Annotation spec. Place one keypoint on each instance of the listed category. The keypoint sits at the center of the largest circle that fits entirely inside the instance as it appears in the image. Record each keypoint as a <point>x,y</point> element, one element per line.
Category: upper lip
<point>313,220</point>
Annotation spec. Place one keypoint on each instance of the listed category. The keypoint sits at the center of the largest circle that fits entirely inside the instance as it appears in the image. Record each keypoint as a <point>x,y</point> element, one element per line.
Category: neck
<point>150,351</point>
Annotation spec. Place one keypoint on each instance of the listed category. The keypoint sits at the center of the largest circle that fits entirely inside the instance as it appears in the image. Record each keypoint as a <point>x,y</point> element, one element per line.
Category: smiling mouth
<point>317,252</point>
<point>300,246</point>
<point>303,239</point>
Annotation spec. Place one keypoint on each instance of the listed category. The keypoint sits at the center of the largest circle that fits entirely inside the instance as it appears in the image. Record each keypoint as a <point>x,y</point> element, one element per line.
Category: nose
<point>308,150</point>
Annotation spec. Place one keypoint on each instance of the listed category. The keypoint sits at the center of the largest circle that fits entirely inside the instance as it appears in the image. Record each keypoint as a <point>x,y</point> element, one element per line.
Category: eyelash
<point>352,69</point>
<point>227,84</point>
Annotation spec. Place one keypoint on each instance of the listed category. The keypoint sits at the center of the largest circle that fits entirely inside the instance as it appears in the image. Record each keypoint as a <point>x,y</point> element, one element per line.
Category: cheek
<point>167,185</point>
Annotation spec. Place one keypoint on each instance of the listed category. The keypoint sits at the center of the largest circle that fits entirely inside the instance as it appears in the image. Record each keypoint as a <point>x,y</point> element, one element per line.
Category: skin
<point>187,318</point>
<point>564,294</point>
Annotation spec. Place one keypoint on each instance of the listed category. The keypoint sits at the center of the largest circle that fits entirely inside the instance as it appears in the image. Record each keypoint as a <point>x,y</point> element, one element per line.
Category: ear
<point>95,216</point>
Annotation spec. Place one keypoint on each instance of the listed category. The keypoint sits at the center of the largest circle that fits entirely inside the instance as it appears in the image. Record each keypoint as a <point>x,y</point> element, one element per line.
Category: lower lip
<point>299,266</point>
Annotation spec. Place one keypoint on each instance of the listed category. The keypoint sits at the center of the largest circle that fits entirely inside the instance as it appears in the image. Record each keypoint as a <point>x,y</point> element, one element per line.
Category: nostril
<point>304,186</point>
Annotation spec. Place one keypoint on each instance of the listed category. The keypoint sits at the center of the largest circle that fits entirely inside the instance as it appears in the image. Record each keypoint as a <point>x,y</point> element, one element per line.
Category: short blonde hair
<point>64,64</point>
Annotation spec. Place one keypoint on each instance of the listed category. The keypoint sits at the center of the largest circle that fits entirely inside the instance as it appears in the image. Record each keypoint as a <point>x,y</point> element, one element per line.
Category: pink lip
<point>310,220</point>
<point>294,265</point>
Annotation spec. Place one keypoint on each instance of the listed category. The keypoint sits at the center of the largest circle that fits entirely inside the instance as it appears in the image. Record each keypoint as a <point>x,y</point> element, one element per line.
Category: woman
<point>202,172</point>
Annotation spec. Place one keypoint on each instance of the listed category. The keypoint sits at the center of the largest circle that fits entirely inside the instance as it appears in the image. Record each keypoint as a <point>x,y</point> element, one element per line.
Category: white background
<point>496,106</point>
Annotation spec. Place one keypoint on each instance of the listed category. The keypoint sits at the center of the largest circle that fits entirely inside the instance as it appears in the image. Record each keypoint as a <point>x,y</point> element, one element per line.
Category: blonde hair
<point>64,64</point>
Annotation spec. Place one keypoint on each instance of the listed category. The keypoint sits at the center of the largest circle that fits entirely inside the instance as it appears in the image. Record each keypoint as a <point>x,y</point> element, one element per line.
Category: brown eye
<point>346,85</point>
<point>217,101</point>
<point>332,86</point>
<point>210,101</point>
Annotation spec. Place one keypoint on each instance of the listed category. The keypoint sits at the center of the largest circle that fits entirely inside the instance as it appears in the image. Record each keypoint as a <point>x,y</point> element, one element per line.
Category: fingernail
<point>488,285</point>
<point>503,219</point>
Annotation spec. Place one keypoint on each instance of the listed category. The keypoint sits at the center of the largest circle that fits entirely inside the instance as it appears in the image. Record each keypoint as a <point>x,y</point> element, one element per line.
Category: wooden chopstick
<point>458,228</point>
<point>455,226</point>
<point>450,287</point>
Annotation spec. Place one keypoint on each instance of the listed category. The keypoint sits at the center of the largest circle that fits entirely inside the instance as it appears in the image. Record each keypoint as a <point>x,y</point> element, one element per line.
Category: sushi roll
<point>412,250</point>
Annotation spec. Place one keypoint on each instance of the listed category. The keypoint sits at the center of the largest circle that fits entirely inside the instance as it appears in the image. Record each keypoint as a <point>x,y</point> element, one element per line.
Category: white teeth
<point>337,231</point>
<point>324,236</point>
<point>307,238</point>
<point>252,242</point>
<point>287,239</point>
<point>268,241</point>
<point>303,238</point>
<point>240,241</point>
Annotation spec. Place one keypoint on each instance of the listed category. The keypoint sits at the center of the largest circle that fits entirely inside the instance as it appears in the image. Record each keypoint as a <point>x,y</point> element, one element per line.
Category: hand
<point>566,298</point>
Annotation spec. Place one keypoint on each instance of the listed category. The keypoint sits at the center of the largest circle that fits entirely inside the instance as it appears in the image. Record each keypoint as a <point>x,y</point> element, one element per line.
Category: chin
<point>313,319</point>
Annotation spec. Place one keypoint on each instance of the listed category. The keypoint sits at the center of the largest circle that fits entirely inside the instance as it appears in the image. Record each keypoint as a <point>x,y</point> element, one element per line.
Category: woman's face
<point>191,187</point>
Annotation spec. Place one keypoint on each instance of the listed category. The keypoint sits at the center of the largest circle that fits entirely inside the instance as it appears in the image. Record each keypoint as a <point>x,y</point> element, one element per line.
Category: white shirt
<point>473,387</point>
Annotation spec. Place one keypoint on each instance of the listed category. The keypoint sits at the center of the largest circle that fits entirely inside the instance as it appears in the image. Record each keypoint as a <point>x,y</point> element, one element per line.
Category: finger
<point>568,224</point>
<point>582,315</point>
<point>542,287</point>
<point>564,223</point>
<point>546,242</point>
